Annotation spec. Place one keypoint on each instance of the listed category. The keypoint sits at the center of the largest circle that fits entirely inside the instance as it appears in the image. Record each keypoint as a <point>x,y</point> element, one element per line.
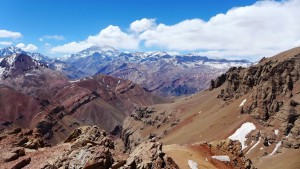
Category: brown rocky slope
<point>274,93</point>
<point>34,96</point>
<point>266,95</point>
<point>86,147</point>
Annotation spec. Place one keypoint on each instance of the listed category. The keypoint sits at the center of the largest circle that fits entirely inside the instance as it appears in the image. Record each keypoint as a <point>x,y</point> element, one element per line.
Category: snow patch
<point>276,132</point>
<point>193,164</point>
<point>29,74</point>
<point>2,69</point>
<point>221,158</point>
<point>73,81</point>
<point>276,148</point>
<point>59,66</point>
<point>10,60</point>
<point>240,134</point>
<point>243,102</point>
<point>254,145</point>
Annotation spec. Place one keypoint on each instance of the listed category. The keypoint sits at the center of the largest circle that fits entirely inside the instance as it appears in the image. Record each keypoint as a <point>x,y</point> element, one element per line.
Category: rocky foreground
<point>87,147</point>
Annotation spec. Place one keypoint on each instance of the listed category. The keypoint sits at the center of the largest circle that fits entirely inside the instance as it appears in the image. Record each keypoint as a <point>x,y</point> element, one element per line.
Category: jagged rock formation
<point>232,149</point>
<point>149,155</point>
<point>273,86</point>
<point>140,119</point>
<point>86,147</point>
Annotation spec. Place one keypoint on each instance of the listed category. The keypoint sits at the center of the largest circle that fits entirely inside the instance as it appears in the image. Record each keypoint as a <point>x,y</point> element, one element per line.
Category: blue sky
<point>58,27</point>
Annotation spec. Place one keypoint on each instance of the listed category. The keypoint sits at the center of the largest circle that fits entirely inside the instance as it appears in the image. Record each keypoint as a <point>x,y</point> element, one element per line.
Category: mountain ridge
<point>153,70</point>
<point>159,72</point>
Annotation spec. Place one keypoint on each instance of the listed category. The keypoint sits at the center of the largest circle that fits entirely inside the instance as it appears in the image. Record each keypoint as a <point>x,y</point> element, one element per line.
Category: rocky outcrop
<point>13,145</point>
<point>149,155</point>
<point>87,147</point>
<point>218,82</point>
<point>273,88</point>
<point>23,138</point>
<point>232,149</point>
<point>141,118</point>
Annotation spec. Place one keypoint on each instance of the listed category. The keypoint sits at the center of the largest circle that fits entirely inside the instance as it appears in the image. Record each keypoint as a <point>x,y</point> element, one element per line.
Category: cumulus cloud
<point>52,37</point>
<point>28,48</point>
<point>111,35</point>
<point>9,34</point>
<point>258,30</point>
<point>142,25</point>
<point>6,43</point>
<point>262,29</point>
<point>72,47</point>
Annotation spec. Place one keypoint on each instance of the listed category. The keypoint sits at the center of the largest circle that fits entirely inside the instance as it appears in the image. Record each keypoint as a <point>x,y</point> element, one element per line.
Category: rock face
<point>149,155</point>
<point>13,144</point>
<point>86,147</point>
<point>233,150</point>
<point>141,118</point>
<point>274,89</point>
<point>89,148</point>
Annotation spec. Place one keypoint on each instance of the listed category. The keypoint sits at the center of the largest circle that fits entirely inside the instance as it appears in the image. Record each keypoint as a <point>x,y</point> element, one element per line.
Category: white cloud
<point>9,34</point>
<point>48,45</point>
<point>52,37</point>
<point>72,47</point>
<point>111,35</point>
<point>6,43</point>
<point>258,30</point>
<point>27,48</point>
<point>142,25</point>
<point>262,29</point>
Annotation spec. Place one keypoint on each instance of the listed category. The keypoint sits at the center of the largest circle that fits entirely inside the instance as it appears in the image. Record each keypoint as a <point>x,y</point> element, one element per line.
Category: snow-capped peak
<point>100,49</point>
<point>10,50</point>
<point>158,53</point>
<point>11,59</point>
<point>103,50</point>
<point>15,50</point>
<point>141,55</point>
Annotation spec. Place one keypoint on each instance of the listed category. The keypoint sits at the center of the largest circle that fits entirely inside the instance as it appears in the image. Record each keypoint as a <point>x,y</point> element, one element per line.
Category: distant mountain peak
<point>16,64</point>
<point>102,50</point>
<point>10,50</point>
<point>159,53</point>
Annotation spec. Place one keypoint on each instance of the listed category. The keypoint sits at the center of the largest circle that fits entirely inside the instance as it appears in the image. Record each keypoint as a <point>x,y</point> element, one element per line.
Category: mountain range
<point>158,72</point>
<point>248,117</point>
